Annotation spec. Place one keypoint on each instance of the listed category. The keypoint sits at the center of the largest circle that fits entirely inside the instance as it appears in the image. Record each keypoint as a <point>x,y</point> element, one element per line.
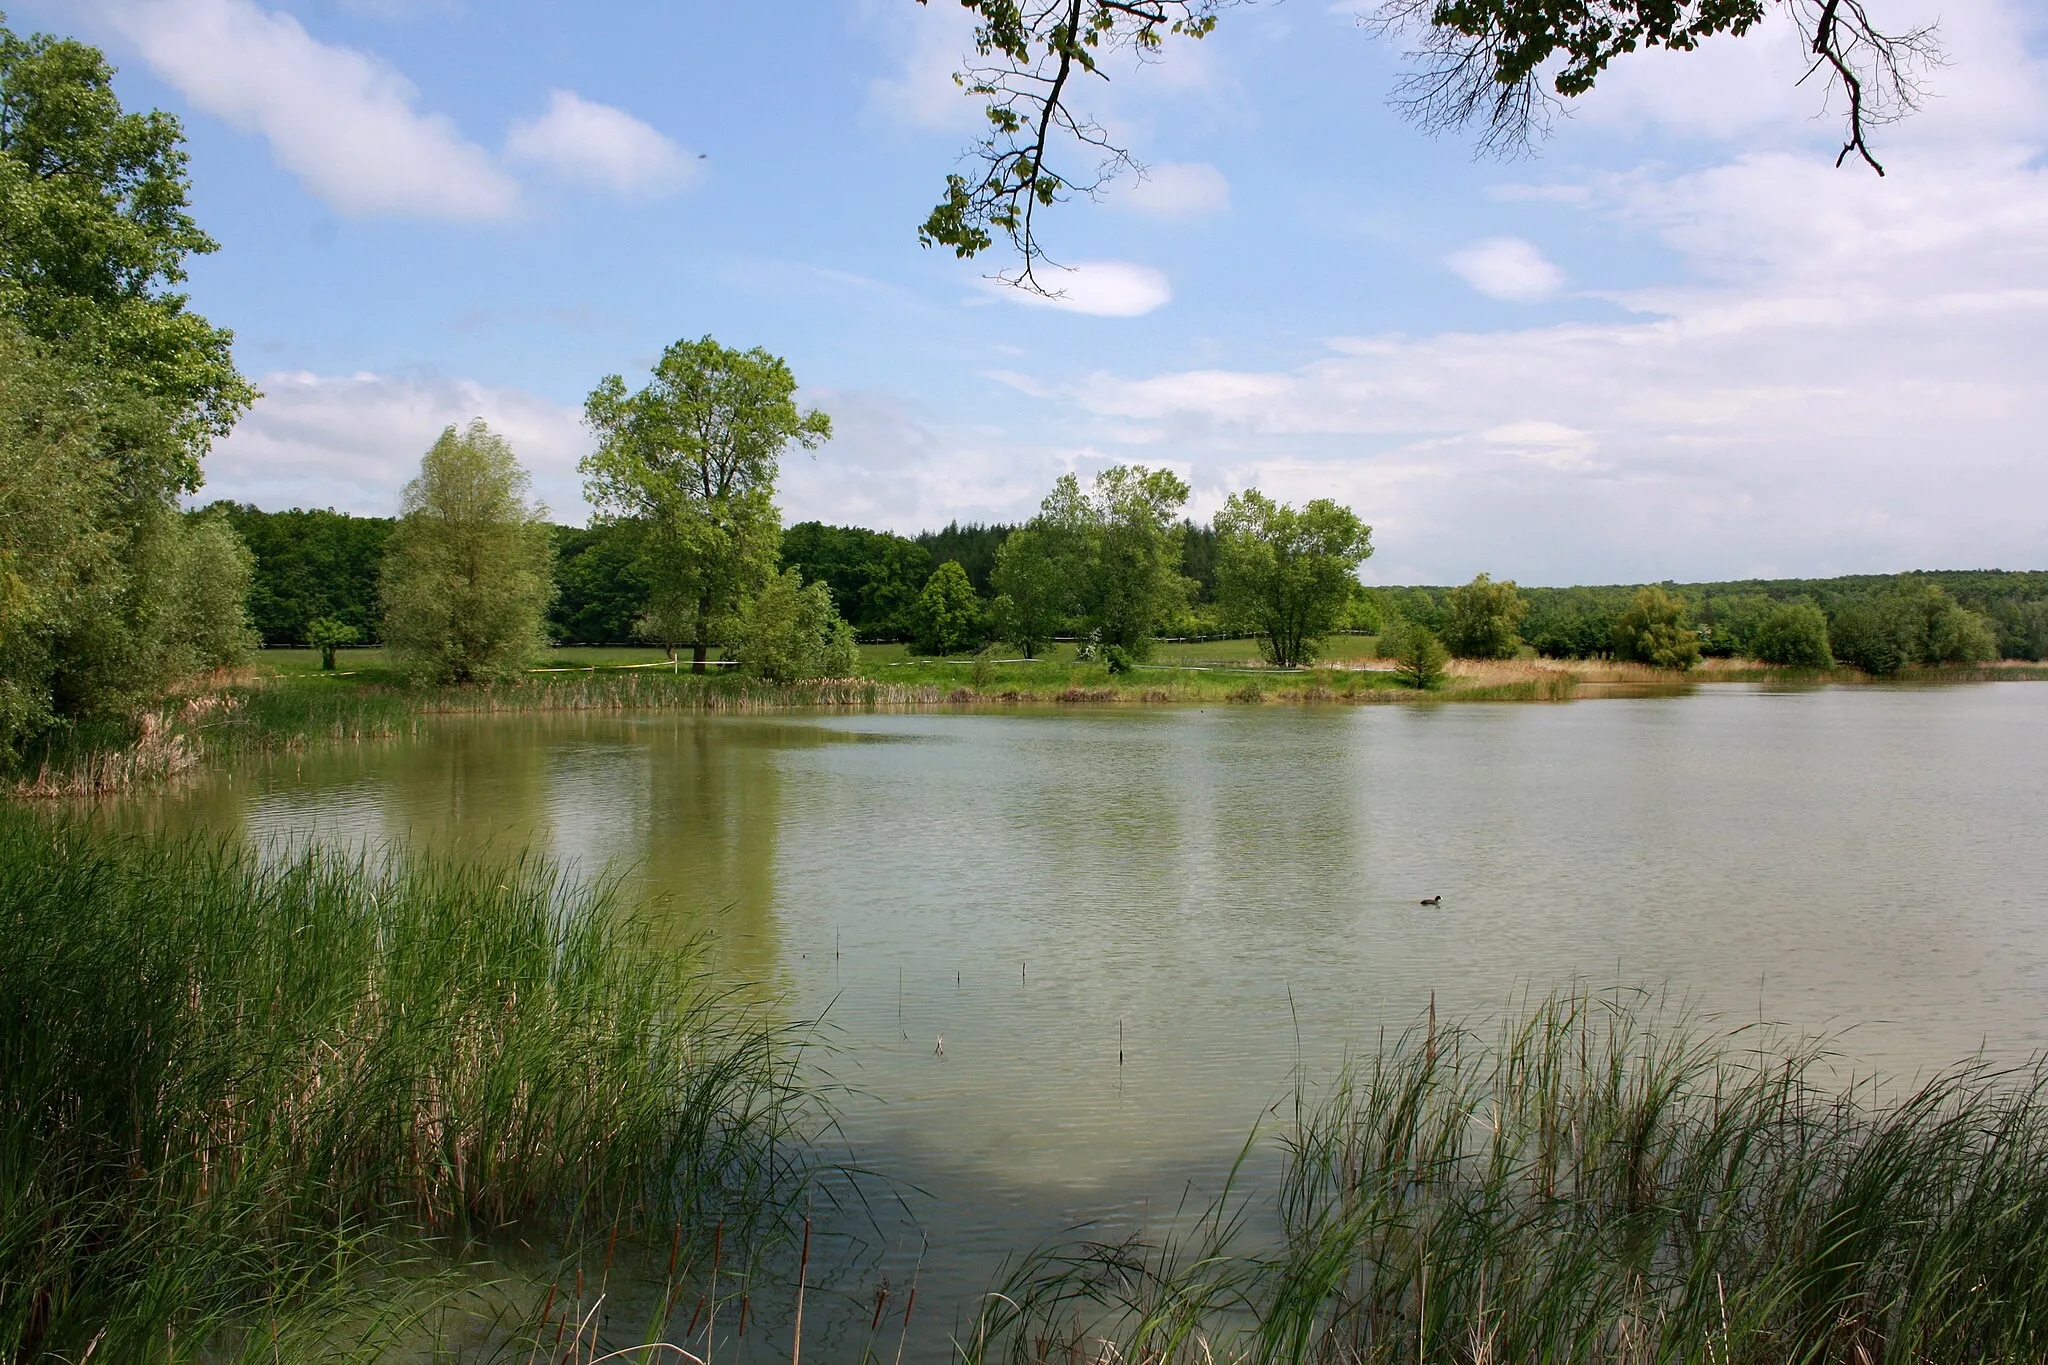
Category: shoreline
<point>280,712</point>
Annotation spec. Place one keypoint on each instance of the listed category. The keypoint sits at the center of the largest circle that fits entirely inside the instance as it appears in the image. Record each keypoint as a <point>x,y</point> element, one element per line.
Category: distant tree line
<point>1878,623</point>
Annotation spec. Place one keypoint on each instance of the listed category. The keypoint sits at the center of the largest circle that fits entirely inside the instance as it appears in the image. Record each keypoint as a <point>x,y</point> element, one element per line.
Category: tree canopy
<point>694,456</point>
<point>467,572</point>
<point>1500,67</point>
<point>1481,619</point>
<point>94,234</point>
<point>1287,574</point>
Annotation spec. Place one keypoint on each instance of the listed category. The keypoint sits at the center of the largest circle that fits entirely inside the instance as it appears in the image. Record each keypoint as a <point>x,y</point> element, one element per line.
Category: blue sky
<point>1676,343</point>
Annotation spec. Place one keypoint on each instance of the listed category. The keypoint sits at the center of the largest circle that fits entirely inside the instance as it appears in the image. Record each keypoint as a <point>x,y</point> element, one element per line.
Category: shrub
<point>1795,635</point>
<point>1653,631</point>
<point>791,631</point>
<point>1481,618</point>
<point>1418,655</point>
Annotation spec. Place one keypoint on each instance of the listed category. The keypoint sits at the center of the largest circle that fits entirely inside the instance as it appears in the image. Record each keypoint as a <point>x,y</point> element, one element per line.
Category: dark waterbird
<point>1433,900</point>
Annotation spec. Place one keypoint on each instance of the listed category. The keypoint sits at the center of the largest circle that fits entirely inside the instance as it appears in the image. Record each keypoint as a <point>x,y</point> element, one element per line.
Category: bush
<point>1653,631</point>
<point>1481,617</point>
<point>1418,655</point>
<point>1795,635</point>
<point>791,631</point>
<point>1116,658</point>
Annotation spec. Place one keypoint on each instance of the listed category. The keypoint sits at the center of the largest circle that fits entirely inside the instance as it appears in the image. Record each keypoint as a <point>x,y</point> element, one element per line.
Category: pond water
<point>1128,926</point>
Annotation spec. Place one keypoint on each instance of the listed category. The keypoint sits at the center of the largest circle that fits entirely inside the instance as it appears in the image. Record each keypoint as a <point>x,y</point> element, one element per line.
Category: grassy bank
<point>240,1100</point>
<point>286,703</point>
<point>1593,1181</point>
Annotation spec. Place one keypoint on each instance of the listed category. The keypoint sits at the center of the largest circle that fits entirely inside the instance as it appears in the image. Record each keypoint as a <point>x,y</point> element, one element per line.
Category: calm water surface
<point>1229,890</point>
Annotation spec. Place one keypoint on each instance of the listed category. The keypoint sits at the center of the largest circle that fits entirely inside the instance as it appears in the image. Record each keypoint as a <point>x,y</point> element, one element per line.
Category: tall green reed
<point>235,1086</point>
<point>1599,1181</point>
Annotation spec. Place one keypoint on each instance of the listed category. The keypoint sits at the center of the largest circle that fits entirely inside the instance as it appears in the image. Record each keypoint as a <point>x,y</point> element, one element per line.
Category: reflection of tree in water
<point>714,814</point>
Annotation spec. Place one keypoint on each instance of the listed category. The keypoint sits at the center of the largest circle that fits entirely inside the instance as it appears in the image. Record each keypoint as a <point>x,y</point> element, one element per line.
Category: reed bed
<point>1595,1181</point>
<point>242,1097</point>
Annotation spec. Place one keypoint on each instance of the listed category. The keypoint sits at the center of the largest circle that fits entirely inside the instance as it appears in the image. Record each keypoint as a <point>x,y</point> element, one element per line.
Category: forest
<point>313,564</point>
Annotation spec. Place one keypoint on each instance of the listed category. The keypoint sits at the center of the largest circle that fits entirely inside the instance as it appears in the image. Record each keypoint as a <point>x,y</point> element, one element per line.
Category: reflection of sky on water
<point>1231,889</point>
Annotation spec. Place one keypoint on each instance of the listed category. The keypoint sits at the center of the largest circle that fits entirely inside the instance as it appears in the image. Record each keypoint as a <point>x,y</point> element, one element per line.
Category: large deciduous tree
<point>94,233</point>
<point>1123,541</point>
<point>1034,584</point>
<point>1480,619</point>
<point>110,392</point>
<point>1287,574</point>
<point>694,456</point>
<point>468,569</point>
<point>1502,67</point>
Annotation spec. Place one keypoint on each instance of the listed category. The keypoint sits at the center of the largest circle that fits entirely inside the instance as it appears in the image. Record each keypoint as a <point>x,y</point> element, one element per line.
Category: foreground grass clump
<point>1597,1183</point>
<point>238,1094</point>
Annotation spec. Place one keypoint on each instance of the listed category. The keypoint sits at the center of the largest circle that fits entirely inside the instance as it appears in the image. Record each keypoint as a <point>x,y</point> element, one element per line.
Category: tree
<point>1287,574</point>
<point>1795,635</point>
<point>791,631</point>
<point>601,591</point>
<point>1505,66</point>
<point>310,564</point>
<point>694,456</point>
<point>1653,631</point>
<point>94,233</point>
<point>468,571</point>
<point>1419,657</point>
<point>1870,638</point>
<point>1481,617</point>
<point>1034,587</point>
<point>874,576</point>
<point>1957,635</point>
<point>214,571</point>
<point>947,616</point>
<point>1123,541</point>
<point>326,634</point>
<point>110,392</point>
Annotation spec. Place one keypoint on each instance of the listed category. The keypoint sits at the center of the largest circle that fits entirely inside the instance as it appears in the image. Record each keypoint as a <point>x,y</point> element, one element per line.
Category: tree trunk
<point>702,645</point>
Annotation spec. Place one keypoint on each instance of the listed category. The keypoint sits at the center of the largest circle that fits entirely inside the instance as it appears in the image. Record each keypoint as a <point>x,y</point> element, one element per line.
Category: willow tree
<point>693,457</point>
<point>1287,574</point>
<point>468,571</point>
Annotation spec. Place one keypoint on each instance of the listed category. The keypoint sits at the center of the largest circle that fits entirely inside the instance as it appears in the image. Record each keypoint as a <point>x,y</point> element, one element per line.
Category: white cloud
<point>1507,268</point>
<point>932,42</point>
<point>343,121</point>
<point>1849,382</point>
<point>1171,189</point>
<point>601,145</point>
<point>1104,289</point>
<point>352,441</point>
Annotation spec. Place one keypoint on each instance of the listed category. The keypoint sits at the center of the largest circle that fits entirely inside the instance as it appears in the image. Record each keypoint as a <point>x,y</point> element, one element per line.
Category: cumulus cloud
<point>1103,289</point>
<point>352,441</point>
<point>345,122</point>
<point>1507,268</point>
<point>1171,189</point>
<point>601,145</point>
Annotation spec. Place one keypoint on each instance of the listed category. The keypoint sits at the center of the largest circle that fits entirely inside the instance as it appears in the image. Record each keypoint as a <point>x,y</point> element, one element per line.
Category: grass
<point>284,702</point>
<point>242,1098</point>
<point>1596,1180</point>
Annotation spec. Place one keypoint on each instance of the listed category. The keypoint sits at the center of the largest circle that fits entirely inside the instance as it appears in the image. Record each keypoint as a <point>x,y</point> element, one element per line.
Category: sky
<point>1677,342</point>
